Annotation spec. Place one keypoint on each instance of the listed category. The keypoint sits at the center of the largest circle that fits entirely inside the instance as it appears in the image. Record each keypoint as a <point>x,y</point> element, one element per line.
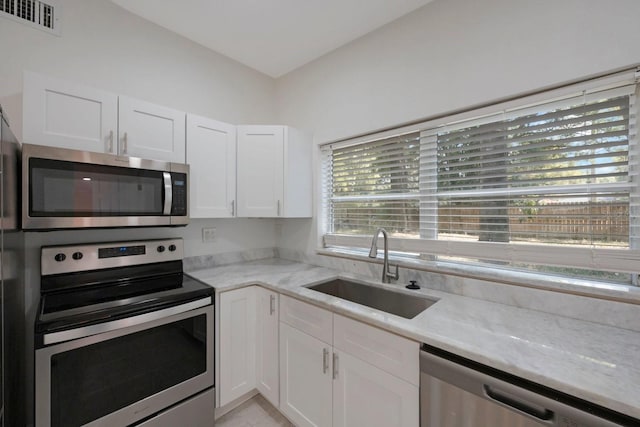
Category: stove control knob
<point>77,256</point>
<point>60,257</point>
<point>160,248</point>
<point>172,248</point>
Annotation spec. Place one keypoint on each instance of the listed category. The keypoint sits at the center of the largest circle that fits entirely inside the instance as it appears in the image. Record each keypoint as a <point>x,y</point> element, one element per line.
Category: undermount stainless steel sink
<point>400,304</point>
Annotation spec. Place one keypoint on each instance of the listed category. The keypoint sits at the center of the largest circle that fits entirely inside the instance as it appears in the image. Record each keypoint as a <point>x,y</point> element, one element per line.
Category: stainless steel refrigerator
<point>11,284</point>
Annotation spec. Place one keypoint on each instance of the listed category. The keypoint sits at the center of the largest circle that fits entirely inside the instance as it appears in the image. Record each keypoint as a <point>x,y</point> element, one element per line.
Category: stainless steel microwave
<point>64,188</point>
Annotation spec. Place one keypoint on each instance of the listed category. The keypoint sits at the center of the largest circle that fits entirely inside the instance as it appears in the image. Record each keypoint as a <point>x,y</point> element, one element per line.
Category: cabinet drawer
<point>308,318</point>
<point>394,354</point>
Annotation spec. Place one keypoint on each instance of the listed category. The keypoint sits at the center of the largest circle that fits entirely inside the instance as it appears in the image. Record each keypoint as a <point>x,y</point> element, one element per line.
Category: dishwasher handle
<point>509,400</point>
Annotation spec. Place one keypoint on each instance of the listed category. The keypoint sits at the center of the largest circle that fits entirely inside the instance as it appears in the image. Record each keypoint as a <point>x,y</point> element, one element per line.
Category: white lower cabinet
<point>237,343</point>
<point>319,368</point>
<point>363,376</point>
<point>267,349</point>
<point>305,378</point>
<point>364,395</point>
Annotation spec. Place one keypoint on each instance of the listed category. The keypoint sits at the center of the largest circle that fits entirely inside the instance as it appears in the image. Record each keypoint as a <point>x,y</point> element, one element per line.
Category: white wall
<point>104,46</point>
<point>448,55</point>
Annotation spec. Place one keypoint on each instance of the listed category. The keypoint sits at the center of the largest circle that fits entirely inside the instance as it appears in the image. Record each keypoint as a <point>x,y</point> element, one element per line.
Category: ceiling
<point>271,36</point>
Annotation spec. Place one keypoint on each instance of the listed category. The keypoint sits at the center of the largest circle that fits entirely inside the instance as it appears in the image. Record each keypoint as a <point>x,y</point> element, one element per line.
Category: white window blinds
<point>559,174</point>
<point>554,184</point>
<point>374,185</point>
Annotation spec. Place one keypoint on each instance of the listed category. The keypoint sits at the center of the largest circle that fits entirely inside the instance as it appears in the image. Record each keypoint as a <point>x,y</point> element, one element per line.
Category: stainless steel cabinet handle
<point>278,208</point>
<point>335,365</point>
<point>233,208</point>
<point>325,360</point>
<point>124,143</point>
<point>272,304</point>
<point>110,141</point>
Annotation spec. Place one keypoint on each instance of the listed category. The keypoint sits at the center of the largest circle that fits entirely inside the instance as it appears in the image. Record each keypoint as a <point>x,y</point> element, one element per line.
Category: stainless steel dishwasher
<point>457,392</point>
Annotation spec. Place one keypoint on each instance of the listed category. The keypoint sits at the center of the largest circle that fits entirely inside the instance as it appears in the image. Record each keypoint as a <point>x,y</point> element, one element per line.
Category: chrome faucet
<point>373,253</point>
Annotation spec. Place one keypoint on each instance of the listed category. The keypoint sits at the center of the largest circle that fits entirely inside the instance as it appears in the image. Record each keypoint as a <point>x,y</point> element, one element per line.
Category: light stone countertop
<point>594,362</point>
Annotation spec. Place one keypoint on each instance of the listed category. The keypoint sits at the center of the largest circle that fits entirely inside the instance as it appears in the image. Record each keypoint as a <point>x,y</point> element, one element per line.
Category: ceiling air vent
<point>38,14</point>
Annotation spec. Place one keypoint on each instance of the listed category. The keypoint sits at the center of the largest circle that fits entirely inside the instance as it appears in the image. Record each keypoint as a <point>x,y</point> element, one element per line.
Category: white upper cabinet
<point>260,171</point>
<point>68,115</point>
<point>274,172</point>
<point>150,131</point>
<point>211,154</point>
<point>64,114</point>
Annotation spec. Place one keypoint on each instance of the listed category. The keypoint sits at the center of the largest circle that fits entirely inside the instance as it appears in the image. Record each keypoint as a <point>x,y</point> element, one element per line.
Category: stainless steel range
<point>123,338</point>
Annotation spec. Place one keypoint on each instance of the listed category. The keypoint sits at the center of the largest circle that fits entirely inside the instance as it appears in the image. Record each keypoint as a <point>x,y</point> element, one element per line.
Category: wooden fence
<point>604,223</point>
<point>571,223</point>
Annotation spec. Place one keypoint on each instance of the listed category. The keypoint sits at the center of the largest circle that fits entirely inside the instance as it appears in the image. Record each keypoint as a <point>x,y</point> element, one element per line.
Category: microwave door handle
<point>168,193</point>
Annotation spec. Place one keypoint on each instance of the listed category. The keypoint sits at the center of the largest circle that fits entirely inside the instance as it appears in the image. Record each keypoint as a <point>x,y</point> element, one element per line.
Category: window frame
<point>617,260</point>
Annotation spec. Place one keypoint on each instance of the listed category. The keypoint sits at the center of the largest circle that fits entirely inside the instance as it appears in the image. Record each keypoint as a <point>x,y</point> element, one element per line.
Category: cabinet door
<point>298,189</point>
<point>237,343</point>
<point>211,154</point>
<point>364,395</point>
<point>67,115</point>
<point>267,349</point>
<point>150,131</point>
<point>260,171</point>
<point>305,378</point>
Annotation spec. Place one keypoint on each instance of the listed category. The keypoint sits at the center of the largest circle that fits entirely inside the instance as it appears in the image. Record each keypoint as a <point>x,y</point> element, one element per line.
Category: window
<point>376,185</point>
<point>550,186</point>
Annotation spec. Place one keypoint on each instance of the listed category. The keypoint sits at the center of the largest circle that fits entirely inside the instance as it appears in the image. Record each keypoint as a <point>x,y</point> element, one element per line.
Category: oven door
<point>122,376</point>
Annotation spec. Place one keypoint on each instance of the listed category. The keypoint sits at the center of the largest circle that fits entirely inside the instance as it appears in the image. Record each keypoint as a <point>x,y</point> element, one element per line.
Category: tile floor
<point>256,412</point>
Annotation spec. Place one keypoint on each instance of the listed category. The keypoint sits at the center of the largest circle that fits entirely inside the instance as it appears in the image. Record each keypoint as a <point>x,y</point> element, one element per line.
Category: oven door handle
<point>85,331</point>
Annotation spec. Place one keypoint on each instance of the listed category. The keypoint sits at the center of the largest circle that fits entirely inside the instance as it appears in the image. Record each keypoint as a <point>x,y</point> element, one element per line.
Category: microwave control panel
<point>179,190</point>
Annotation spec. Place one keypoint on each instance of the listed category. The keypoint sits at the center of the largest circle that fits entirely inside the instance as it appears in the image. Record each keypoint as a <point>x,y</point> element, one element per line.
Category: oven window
<point>68,189</point>
<point>90,382</point>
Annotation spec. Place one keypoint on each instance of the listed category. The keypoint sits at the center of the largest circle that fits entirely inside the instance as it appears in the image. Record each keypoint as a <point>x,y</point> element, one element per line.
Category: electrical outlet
<point>208,235</point>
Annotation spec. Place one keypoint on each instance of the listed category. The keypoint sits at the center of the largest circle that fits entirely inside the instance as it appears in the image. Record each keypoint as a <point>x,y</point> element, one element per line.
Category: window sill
<point>541,281</point>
